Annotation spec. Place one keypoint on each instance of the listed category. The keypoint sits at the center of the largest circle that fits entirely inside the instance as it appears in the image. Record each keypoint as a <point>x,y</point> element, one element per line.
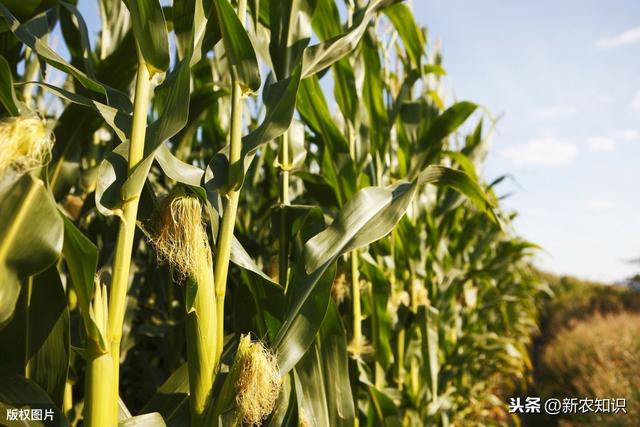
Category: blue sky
<point>565,79</point>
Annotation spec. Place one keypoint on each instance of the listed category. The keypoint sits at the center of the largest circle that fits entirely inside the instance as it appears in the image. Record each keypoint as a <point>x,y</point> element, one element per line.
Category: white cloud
<point>545,151</point>
<point>601,144</point>
<point>597,204</point>
<point>634,105</point>
<point>555,112</point>
<point>626,134</point>
<point>630,36</point>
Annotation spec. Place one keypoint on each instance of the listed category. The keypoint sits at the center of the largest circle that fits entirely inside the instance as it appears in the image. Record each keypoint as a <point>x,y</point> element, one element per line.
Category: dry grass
<point>596,358</point>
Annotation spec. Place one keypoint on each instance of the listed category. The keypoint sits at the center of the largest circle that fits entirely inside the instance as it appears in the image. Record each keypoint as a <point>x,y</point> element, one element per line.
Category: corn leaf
<point>322,377</point>
<point>114,97</point>
<point>290,33</point>
<point>403,21</point>
<point>37,338</point>
<point>31,235</point>
<point>81,256</point>
<point>7,94</point>
<point>322,55</point>
<point>242,56</point>
<point>153,419</point>
<point>16,391</point>
<point>150,31</point>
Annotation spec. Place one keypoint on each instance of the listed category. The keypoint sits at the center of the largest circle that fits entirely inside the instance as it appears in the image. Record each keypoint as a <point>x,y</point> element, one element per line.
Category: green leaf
<point>150,31</point>
<point>176,169</point>
<point>367,217</point>
<point>443,126</point>
<point>373,92</point>
<point>403,21</point>
<point>382,327</point>
<point>25,9</point>
<point>36,341</point>
<point>336,160</point>
<point>115,184</point>
<point>279,99</point>
<point>31,236</point>
<point>115,118</point>
<point>193,21</point>
<point>81,256</point>
<point>386,412</point>
<point>428,319</point>
<point>114,97</point>
<point>7,94</point>
<point>310,294</point>
<point>290,33</point>
<point>320,56</point>
<point>173,395</point>
<point>153,419</point>
<point>76,36</point>
<point>322,382</point>
<point>244,64</point>
<point>461,182</point>
<point>18,392</point>
<point>241,258</point>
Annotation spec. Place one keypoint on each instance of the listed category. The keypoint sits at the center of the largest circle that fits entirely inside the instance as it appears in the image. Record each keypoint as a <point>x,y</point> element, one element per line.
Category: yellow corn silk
<point>258,382</point>
<point>179,235</point>
<point>25,143</point>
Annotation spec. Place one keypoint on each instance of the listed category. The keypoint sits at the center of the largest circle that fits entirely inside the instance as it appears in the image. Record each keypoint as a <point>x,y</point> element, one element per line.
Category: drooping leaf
<point>386,412</point>
<point>18,392</point>
<point>7,94</point>
<point>322,382</point>
<point>31,234</point>
<point>320,56</point>
<point>461,182</point>
<point>404,23</point>
<point>172,395</point>
<point>443,126</point>
<point>114,97</point>
<point>115,184</point>
<point>150,30</point>
<point>290,33</point>
<point>310,295</point>
<point>36,341</point>
<point>242,56</point>
<point>368,216</point>
<point>81,257</point>
<point>279,99</point>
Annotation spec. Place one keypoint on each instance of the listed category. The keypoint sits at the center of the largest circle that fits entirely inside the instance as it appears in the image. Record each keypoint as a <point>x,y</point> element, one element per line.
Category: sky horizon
<point>563,77</point>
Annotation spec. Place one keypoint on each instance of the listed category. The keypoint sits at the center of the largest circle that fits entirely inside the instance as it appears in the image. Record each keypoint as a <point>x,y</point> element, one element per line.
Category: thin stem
<point>357,320</point>
<point>284,162</point>
<point>30,74</point>
<point>400,361</point>
<point>225,236</point>
<point>414,369</point>
<point>124,244</point>
<point>355,299</point>
<point>283,265</point>
<point>27,326</point>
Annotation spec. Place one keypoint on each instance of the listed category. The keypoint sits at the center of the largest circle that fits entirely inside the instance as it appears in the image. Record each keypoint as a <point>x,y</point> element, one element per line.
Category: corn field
<point>249,212</point>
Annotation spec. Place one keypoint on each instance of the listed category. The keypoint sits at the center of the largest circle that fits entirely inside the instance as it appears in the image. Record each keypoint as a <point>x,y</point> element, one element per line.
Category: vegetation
<point>589,348</point>
<point>253,212</point>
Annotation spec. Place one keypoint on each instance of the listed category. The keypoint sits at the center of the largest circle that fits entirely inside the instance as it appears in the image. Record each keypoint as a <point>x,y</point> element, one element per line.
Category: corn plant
<point>245,213</point>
